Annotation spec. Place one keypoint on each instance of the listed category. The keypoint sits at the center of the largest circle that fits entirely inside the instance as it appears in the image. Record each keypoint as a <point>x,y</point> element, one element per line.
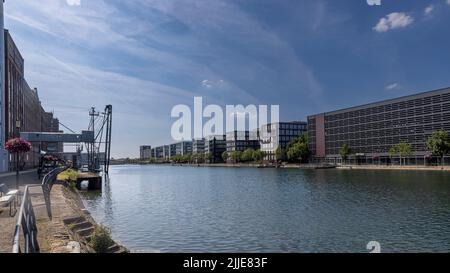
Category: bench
<point>8,200</point>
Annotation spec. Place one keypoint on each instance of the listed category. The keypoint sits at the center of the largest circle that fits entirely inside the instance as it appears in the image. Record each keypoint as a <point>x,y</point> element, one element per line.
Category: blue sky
<point>145,56</point>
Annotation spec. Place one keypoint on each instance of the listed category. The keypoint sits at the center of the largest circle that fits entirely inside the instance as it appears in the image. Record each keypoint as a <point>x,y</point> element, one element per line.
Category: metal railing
<point>47,183</point>
<point>27,223</point>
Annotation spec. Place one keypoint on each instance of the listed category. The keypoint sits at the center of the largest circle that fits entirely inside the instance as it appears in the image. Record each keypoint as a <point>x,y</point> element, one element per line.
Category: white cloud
<point>393,86</point>
<point>393,21</point>
<point>210,83</point>
<point>429,9</point>
<point>73,2</point>
<point>448,2</point>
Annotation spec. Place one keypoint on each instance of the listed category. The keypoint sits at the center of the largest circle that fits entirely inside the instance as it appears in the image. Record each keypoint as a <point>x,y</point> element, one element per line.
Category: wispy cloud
<point>25,20</point>
<point>429,9</point>
<point>393,86</point>
<point>73,2</point>
<point>212,84</point>
<point>393,20</point>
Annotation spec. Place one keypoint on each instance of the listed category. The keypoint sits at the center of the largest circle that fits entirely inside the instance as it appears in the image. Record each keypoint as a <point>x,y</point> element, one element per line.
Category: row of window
<point>437,99</point>
<point>435,116</point>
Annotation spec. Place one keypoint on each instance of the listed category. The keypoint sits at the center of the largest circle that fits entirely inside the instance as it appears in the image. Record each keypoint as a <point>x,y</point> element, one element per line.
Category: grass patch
<point>69,175</point>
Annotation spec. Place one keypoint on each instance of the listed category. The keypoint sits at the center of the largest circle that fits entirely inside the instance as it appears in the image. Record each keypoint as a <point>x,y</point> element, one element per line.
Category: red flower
<point>18,145</point>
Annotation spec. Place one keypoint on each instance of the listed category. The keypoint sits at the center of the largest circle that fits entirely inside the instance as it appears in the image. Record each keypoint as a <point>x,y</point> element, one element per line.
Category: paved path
<point>25,178</point>
<point>7,223</point>
<point>52,234</point>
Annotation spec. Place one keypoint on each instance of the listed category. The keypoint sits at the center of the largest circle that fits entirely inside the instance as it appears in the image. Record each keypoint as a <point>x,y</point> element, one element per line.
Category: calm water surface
<point>188,209</point>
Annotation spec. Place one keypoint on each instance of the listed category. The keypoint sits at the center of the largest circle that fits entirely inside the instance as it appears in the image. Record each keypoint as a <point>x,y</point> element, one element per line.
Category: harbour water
<point>190,209</point>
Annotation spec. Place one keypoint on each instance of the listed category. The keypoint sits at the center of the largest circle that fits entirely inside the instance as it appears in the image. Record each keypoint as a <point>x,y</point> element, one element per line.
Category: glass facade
<point>242,140</point>
<point>280,134</point>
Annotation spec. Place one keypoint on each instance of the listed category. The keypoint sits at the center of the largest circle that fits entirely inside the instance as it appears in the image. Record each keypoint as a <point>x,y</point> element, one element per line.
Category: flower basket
<point>18,145</point>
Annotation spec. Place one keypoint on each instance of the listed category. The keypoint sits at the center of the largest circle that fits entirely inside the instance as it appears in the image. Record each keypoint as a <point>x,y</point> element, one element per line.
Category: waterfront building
<point>21,108</point>
<point>371,130</point>
<point>198,146</point>
<point>180,148</point>
<point>242,140</point>
<point>32,122</point>
<point>158,152</point>
<point>166,152</point>
<point>3,153</point>
<point>278,135</point>
<point>14,85</point>
<point>215,145</point>
<point>50,124</point>
<point>145,152</point>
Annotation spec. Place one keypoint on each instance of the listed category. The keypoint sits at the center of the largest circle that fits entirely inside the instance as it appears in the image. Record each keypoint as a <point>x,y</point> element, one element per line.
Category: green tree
<point>258,155</point>
<point>345,152</point>
<point>439,144</point>
<point>236,156</point>
<point>298,149</point>
<point>405,150</point>
<point>402,150</point>
<point>200,157</point>
<point>208,157</point>
<point>225,156</point>
<point>247,155</point>
<point>280,154</point>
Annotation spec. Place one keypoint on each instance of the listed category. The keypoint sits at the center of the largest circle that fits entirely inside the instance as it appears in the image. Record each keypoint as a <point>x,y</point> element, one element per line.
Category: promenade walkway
<point>52,234</point>
<point>8,223</point>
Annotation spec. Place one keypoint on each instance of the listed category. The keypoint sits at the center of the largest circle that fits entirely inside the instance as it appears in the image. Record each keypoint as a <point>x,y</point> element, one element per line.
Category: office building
<point>215,145</point>
<point>198,146</point>
<point>242,140</point>
<point>278,135</point>
<point>145,152</point>
<point>180,148</point>
<point>371,130</point>
<point>158,152</point>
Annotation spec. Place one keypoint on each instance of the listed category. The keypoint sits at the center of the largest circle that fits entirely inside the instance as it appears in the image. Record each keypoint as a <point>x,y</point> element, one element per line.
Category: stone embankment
<point>70,228</point>
<point>80,225</point>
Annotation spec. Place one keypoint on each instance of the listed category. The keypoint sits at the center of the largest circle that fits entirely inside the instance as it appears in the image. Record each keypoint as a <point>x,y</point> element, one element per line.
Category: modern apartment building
<point>371,130</point>
<point>3,153</point>
<point>242,140</point>
<point>145,152</point>
<point>275,135</point>
<point>198,146</point>
<point>215,145</point>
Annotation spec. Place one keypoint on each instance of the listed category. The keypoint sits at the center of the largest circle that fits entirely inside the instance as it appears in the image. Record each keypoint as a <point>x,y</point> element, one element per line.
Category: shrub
<point>101,239</point>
